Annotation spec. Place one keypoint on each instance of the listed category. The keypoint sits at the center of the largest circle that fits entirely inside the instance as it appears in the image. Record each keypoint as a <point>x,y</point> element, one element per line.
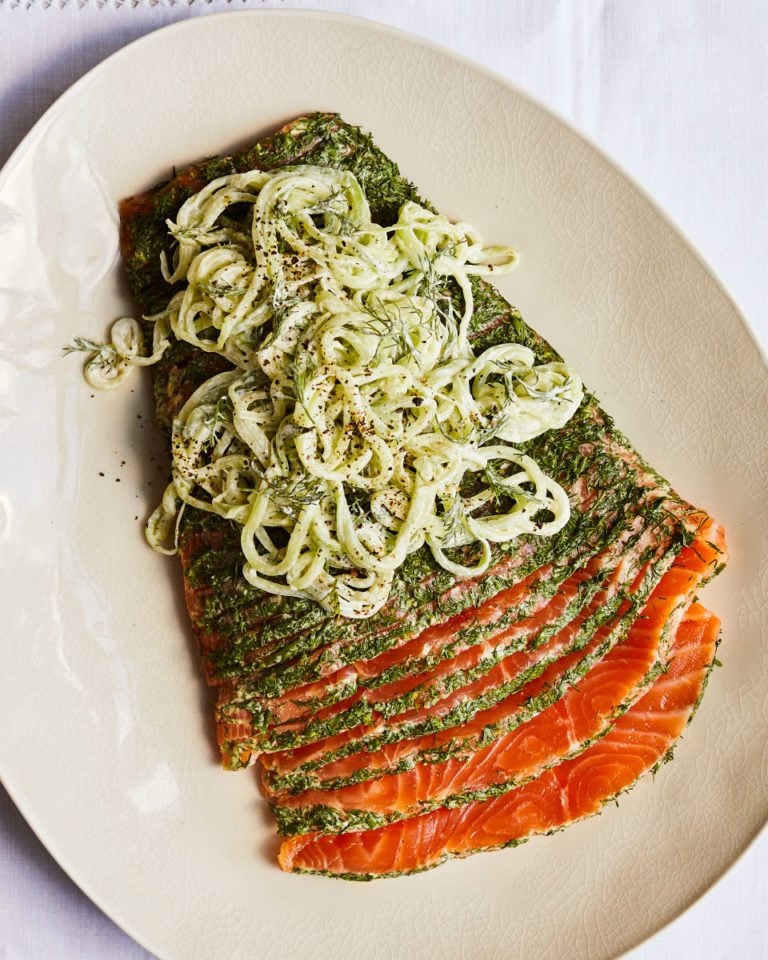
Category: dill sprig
<point>221,419</point>
<point>387,322</point>
<point>101,356</point>
<point>454,521</point>
<point>301,371</point>
<point>219,288</point>
<point>511,376</point>
<point>332,210</point>
<point>502,489</point>
<point>293,495</point>
<point>83,344</point>
<point>435,287</point>
<point>283,304</point>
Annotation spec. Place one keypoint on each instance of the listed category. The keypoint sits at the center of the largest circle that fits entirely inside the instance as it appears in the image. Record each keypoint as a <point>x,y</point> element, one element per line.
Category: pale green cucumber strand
<point>112,363</point>
<point>458,569</point>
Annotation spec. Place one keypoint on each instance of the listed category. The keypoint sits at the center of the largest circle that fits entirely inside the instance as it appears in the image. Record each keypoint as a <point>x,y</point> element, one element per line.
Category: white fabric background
<point>675,90</point>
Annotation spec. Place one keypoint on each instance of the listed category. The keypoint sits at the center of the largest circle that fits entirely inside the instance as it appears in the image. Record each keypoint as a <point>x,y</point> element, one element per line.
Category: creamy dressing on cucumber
<point>357,424</point>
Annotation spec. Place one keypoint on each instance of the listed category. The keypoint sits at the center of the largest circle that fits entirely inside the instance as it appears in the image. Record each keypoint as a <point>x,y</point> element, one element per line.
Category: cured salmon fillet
<point>585,713</point>
<point>572,790</point>
<point>457,695</point>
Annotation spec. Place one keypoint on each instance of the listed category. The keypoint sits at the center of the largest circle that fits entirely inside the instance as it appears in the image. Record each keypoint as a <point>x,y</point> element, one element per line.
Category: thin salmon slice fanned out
<point>475,717</point>
<point>462,723</point>
<point>465,714</point>
<point>586,712</point>
<point>571,791</point>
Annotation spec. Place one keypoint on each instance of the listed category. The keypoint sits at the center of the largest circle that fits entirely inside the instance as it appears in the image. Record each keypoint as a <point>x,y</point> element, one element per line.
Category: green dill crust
<point>280,642</point>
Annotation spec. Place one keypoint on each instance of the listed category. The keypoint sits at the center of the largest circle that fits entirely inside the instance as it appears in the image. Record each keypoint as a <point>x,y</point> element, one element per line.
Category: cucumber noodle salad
<point>356,417</point>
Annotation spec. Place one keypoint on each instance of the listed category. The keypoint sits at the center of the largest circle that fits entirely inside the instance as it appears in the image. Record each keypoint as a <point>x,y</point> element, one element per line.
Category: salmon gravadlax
<point>464,714</point>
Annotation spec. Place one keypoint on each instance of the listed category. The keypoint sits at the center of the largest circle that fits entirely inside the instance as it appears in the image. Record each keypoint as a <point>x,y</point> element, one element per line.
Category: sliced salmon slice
<point>564,730</point>
<point>341,760</point>
<point>568,792</point>
<point>517,689</point>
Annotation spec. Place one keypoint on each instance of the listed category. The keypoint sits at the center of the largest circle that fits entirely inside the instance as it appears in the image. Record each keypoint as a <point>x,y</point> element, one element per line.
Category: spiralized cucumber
<point>348,432</point>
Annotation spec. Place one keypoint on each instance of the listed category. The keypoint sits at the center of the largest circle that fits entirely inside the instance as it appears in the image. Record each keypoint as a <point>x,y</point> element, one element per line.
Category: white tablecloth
<point>675,90</point>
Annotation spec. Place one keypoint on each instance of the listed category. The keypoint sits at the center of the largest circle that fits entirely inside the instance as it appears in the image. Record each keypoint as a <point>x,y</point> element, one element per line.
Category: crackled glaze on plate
<point>106,738</point>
